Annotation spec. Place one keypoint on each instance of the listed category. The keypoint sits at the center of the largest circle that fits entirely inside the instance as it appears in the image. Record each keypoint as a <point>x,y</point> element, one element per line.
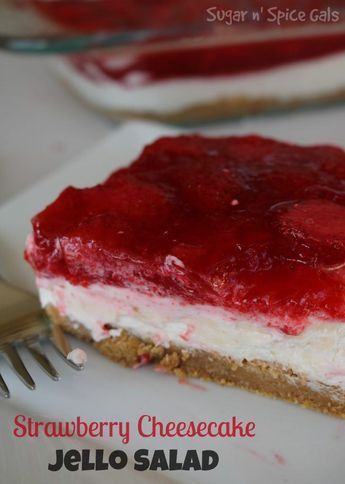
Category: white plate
<point>292,445</point>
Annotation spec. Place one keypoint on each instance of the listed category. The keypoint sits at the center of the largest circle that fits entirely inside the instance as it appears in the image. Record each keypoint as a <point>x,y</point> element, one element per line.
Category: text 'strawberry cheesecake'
<point>222,258</point>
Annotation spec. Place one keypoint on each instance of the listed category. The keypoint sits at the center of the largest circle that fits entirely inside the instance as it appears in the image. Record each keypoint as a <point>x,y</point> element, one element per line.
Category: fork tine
<point>39,355</point>
<point>16,363</point>
<point>59,340</point>
<point>4,391</point>
<point>62,346</point>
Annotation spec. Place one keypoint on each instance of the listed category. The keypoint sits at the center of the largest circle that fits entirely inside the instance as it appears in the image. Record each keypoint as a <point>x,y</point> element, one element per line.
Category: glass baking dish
<point>186,61</point>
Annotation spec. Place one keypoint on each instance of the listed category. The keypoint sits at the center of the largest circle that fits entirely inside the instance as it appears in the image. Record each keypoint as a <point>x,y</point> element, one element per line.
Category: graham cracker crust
<point>256,376</point>
<point>221,109</point>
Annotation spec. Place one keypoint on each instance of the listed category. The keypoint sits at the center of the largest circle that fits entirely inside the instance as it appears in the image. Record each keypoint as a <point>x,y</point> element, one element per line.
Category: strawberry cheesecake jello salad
<point>219,258</point>
<point>203,82</point>
<point>209,61</point>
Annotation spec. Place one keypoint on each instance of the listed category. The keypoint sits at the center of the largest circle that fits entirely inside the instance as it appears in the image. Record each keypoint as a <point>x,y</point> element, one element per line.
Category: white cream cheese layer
<point>304,80</point>
<point>318,352</point>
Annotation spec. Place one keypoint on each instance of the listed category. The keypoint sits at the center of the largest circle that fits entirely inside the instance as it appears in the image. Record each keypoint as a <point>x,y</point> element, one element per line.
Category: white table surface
<point>42,125</point>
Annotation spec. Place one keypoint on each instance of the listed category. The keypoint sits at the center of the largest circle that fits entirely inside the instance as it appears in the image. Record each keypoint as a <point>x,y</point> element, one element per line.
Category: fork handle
<point>9,295</point>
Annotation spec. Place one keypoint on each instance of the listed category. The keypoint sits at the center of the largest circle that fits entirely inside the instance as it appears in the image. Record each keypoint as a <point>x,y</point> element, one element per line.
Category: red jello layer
<point>117,15</point>
<point>208,61</point>
<point>245,223</point>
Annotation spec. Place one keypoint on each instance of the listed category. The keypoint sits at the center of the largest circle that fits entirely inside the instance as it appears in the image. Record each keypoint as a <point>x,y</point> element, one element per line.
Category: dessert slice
<point>210,62</point>
<point>221,258</point>
<point>192,83</point>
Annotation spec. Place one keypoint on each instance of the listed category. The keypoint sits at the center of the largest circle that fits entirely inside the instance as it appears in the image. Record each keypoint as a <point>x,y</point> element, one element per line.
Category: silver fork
<point>24,323</point>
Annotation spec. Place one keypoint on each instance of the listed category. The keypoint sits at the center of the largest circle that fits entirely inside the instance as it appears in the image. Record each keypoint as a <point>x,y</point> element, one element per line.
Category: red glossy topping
<point>207,60</point>
<point>115,15</point>
<point>86,16</point>
<point>245,223</point>
<point>90,16</point>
